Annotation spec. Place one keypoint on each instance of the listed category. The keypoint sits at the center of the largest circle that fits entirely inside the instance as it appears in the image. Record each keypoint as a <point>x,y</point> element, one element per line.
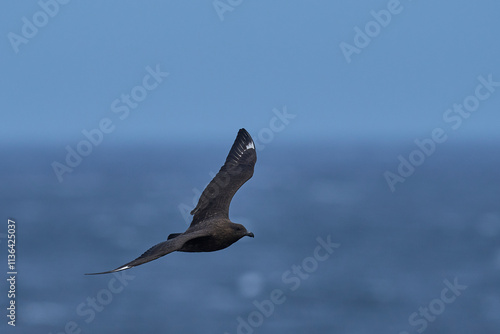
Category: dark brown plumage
<point>210,229</point>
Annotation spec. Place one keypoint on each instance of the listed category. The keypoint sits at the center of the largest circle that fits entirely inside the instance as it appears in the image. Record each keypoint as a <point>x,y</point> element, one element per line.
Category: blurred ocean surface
<point>396,248</point>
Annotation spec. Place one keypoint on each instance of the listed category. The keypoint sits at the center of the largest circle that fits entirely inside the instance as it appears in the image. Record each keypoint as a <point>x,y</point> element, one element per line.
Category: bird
<point>210,229</point>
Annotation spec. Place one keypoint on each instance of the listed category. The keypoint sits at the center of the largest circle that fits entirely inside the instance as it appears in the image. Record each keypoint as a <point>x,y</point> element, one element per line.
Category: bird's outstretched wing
<point>158,250</point>
<point>238,168</point>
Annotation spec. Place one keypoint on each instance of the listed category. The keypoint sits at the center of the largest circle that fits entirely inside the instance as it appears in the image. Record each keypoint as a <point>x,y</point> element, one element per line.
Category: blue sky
<point>232,68</point>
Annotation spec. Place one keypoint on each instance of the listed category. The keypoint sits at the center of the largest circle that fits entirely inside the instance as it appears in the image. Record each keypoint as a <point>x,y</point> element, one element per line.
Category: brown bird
<point>210,229</point>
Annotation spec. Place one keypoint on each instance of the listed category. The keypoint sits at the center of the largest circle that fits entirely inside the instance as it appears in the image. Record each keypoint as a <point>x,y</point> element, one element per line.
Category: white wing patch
<point>123,268</point>
<point>250,145</point>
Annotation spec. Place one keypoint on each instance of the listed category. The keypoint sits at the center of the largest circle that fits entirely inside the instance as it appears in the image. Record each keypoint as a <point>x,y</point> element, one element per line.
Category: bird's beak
<point>250,234</point>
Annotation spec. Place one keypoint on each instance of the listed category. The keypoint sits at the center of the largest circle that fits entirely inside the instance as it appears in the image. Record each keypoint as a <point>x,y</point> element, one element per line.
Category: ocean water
<point>335,250</point>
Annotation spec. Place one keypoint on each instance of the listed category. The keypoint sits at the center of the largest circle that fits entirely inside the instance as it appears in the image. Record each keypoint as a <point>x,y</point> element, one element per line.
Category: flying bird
<point>210,229</point>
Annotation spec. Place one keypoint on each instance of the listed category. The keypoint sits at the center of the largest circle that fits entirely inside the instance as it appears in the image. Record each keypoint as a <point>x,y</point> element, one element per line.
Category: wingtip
<point>245,139</point>
<point>90,274</point>
<point>101,273</point>
<point>243,131</point>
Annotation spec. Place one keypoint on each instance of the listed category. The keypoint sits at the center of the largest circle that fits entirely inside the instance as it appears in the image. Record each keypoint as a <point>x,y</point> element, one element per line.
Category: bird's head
<point>241,231</point>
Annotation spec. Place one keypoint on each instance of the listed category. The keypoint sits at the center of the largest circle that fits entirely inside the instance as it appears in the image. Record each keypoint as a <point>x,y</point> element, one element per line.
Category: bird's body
<point>210,230</point>
<point>225,233</point>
